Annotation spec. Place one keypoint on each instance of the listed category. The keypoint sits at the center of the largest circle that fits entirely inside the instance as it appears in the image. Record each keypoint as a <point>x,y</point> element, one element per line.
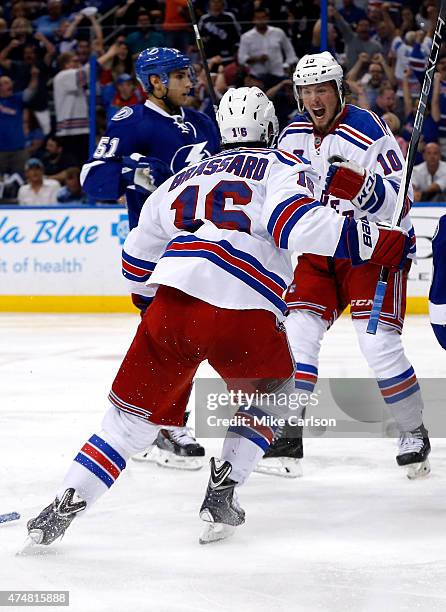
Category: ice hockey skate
<point>413,451</point>
<point>284,456</point>
<point>53,521</point>
<point>174,448</point>
<point>220,508</point>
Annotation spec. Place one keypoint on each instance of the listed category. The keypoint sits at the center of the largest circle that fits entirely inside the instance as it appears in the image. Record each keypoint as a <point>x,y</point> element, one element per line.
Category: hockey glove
<point>145,174</point>
<point>141,302</point>
<point>376,243</point>
<point>348,181</point>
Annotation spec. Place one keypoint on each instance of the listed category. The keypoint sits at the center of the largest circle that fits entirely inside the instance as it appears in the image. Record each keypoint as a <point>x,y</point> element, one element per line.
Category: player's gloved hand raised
<point>145,173</point>
<point>348,181</point>
<point>377,243</point>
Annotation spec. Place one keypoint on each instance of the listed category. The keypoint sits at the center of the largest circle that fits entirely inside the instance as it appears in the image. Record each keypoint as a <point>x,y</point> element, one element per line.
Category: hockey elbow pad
<point>348,181</point>
<point>376,243</point>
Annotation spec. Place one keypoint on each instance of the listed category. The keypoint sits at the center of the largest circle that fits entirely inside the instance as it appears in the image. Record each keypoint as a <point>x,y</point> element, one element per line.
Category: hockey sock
<point>103,457</point>
<point>95,468</point>
<point>305,377</point>
<point>403,398</point>
<point>246,442</point>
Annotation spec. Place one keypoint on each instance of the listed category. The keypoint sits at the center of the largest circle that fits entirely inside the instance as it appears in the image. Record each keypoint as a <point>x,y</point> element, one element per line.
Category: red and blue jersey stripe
<point>101,459</point>
<point>134,269</point>
<point>399,387</point>
<point>286,215</point>
<point>353,136</point>
<point>240,264</point>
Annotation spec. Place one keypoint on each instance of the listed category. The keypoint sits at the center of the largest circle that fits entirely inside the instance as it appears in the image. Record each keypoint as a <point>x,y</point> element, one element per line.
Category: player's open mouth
<point>319,112</point>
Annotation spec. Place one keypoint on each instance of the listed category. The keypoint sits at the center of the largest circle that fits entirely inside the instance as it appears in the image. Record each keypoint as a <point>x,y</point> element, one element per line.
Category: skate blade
<point>31,545</point>
<point>147,456</point>
<point>285,467</point>
<point>418,470</point>
<point>167,459</point>
<point>214,532</point>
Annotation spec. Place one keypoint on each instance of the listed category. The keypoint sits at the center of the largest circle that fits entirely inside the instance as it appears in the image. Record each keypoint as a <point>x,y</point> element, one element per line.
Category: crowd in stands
<point>45,48</point>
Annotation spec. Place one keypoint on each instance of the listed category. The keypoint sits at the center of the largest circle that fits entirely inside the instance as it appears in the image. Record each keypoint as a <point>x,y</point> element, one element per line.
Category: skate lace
<point>182,435</point>
<point>411,442</point>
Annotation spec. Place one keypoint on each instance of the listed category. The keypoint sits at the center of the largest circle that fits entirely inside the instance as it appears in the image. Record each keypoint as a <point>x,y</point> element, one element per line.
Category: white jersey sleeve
<point>295,220</point>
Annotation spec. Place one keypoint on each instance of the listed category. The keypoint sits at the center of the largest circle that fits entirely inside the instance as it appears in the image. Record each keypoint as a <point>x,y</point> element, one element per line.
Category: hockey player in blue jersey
<point>146,143</point>
<point>142,147</point>
<point>437,294</point>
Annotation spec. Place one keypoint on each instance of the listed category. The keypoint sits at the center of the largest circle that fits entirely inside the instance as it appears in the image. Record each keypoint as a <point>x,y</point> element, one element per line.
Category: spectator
<point>71,104</point>
<point>355,42</point>
<point>38,190</point>
<point>176,25</point>
<point>21,34</point>
<point>429,178</point>
<point>264,49</point>
<point>282,96</point>
<point>145,36</point>
<point>82,44</point>
<point>220,32</point>
<point>439,102</point>
<point>407,21</point>
<point>56,160</point>
<point>352,13</point>
<point>402,54</point>
<point>332,37</point>
<point>385,101</point>
<point>394,125</point>
<point>72,192</point>
<point>20,72</point>
<point>4,34</point>
<point>121,63</point>
<point>34,136</point>
<point>12,140</point>
<point>429,130</point>
<point>126,94</point>
<point>385,30</point>
<point>378,74</point>
<point>49,23</point>
<point>127,13</point>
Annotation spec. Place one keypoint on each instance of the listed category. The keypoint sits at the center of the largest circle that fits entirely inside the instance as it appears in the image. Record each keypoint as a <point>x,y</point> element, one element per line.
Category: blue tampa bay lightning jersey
<point>175,141</point>
<point>437,294</point>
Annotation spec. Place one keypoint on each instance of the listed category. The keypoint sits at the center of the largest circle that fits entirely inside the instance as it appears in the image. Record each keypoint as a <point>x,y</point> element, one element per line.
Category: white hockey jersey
<point>213,230</point>
<point>360,136</point>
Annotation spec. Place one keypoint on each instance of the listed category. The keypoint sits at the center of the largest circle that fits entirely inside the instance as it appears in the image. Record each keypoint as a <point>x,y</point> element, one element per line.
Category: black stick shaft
<point>200,46</point>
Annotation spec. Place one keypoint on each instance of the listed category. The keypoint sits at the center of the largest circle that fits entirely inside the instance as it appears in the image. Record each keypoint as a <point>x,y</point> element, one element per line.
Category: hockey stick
<point>200,46</point>
<point>10,516</point>
<point>381,285</point>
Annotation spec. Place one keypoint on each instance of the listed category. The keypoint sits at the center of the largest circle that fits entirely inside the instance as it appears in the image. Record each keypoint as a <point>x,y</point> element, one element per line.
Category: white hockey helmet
<point>317,68</point>
<point>246,114</point>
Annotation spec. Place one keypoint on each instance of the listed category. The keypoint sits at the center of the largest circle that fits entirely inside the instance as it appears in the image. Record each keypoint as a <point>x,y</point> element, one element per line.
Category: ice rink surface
<point>354,534</point>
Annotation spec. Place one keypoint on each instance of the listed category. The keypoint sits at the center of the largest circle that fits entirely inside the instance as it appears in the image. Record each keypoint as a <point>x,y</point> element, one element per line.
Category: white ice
<point>352,535</point>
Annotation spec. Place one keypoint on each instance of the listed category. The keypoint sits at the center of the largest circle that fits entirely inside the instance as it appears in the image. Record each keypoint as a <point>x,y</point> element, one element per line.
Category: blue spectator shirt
<point>11,123</point>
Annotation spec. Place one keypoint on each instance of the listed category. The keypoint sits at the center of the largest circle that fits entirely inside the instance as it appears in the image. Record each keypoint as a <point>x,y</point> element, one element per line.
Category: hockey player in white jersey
<point>437,293</point>
<point>359,167</point>
<point>214,245</point>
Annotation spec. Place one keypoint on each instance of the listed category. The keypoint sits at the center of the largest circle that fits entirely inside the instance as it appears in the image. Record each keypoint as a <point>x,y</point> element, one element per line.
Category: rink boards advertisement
<point>63,258</point>
<point>69,258</point>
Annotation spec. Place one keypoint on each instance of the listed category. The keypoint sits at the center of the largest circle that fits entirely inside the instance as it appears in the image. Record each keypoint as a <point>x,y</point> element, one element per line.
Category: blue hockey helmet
<point>160,61</point>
